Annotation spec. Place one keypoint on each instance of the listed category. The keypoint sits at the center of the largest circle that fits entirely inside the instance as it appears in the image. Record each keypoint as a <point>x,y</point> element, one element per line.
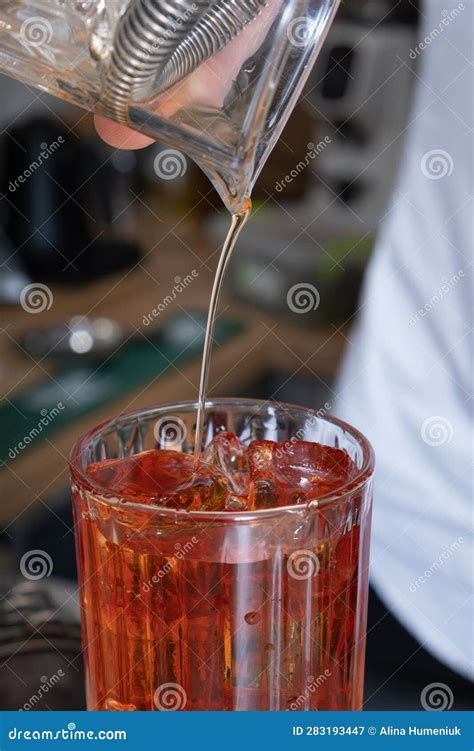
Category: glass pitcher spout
<point>216,79</point>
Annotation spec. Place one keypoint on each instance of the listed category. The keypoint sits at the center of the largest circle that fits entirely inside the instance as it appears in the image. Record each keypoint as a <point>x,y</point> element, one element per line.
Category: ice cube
<point>293,472</point>
<point>314,468</point>
<point>268,487</point>
<point>163,477</point>
<point>228,453</point>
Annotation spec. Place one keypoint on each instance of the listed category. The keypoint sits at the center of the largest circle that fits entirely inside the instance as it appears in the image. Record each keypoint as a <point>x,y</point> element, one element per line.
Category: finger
<point>210,83</point>
<point>119,136</point>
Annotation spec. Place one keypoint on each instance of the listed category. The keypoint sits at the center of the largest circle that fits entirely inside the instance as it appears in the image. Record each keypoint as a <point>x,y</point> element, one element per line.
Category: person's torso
<point>407,381</point>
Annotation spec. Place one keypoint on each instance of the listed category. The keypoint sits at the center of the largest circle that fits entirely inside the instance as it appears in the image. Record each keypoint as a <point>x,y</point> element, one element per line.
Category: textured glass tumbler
<point>204,610</point>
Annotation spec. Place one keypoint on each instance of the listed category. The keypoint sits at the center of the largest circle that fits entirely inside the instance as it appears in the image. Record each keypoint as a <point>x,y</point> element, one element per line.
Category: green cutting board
<point>41,410</point>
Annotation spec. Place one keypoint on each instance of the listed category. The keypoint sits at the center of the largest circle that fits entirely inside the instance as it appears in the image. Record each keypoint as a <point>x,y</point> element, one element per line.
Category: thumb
<point>207,85</point>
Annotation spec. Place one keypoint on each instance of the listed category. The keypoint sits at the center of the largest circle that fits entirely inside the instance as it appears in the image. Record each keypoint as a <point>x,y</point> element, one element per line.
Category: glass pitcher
<point>216,79</point>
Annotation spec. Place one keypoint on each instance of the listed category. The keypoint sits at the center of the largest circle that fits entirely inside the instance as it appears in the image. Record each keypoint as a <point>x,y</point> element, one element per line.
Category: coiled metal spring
<point>213,31</point>
<point>169,36</point>
<point>146,36</point>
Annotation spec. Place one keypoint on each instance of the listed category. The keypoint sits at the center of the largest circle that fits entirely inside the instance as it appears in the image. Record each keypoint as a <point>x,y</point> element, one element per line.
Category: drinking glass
<point>223,610</point>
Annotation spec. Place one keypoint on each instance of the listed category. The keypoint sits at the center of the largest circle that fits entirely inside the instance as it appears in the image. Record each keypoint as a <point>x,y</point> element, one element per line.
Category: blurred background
<point>105,274</point>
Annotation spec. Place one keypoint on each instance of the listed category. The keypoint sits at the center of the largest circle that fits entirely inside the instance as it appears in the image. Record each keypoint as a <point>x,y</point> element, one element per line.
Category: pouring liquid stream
<point>238,221</point>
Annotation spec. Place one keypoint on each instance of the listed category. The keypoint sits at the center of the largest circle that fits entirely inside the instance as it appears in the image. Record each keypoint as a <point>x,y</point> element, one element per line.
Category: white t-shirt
<point>407,379</point>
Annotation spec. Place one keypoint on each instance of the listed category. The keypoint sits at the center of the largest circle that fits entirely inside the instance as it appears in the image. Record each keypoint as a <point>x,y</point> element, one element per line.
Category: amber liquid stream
<point>238,221</point>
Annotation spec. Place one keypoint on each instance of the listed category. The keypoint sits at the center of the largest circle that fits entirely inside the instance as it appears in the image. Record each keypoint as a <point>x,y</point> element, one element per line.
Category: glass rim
<point>79,475</point>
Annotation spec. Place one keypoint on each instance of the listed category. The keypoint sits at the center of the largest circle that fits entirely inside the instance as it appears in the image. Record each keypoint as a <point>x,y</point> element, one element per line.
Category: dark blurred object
<point>398,668</point>
<point>291,149</point>
<point>52,523</point>
<point>41,663</point>
<point>362,85</point>
<point>287,271</point>
<point>380,11</point>
<point>66,203</point>
<point>78,338</point>
<point>291,388</point>
<point>12,276</point>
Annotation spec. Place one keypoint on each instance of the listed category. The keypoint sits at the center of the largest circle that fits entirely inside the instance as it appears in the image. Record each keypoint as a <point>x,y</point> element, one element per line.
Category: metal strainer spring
<point>212,31</point>
<point>146,36</point>
<point>172,36</point>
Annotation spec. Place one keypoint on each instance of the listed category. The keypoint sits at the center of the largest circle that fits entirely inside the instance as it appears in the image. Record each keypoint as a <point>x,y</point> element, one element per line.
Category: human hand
<point>207,86</point>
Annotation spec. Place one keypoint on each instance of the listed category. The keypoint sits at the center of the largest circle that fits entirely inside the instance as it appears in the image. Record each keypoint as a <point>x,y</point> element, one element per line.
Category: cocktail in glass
<point>236,584</point>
